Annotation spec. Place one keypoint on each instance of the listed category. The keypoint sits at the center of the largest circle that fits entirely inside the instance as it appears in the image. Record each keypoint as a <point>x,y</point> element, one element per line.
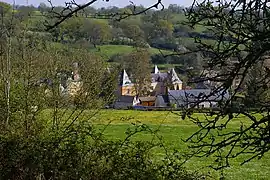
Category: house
<point>162,82</point>
<point>70,81</point>
<point>214,78</point>
<point>126,102</point>
<point>147,101</point>
<point>197,98</point>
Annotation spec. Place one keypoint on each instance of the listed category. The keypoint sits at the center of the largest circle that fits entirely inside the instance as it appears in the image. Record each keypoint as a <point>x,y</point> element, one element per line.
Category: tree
<point>95,31</point>
<point>139,67</point>
<point>164,28</point>
<point>72,8</point>
<point>135,33</point>
<point>257,93</point>
<point>70,28</point>
<point>5,8</point>
<point>43,8</point>
<point>240,27</point>
<point>174,8</point>
<point>156,26</point>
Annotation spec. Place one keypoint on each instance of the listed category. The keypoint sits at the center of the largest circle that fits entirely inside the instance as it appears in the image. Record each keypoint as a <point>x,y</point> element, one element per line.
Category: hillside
<point>108,51</point>
<point>164,32</point>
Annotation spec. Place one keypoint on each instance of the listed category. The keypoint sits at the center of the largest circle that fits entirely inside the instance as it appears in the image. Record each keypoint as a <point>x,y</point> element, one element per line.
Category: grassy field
<point>107,51</point>
<point>172,128</point>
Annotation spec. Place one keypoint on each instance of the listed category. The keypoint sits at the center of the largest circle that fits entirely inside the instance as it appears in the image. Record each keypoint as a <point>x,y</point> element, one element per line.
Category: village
<point>116,90</point>
<point>165,91</point>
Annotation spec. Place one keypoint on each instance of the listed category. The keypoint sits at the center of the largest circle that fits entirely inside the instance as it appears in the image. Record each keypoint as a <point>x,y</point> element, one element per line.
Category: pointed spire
<point>156,70</point>
<point>175,78</point>
<point>125,79</point>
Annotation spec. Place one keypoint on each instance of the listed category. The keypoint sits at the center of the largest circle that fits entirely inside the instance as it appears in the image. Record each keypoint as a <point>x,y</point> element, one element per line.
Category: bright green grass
<point>107,51</point>
<point>172,128</point>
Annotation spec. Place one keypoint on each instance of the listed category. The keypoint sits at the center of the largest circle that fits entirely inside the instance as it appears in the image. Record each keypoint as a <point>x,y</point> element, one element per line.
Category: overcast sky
<point>102,3</point>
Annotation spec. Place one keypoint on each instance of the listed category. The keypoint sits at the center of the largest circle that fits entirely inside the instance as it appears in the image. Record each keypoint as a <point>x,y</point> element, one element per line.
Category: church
<point>161,83</point>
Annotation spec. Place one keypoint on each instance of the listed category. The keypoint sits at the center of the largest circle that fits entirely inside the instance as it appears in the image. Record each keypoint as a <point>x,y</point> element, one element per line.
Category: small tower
<point>156,70</point>
<point>126,86</point>
<point>175,80</point>
<point>125,79</point>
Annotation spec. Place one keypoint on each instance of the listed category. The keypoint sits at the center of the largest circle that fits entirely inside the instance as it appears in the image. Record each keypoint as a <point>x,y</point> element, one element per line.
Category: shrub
<point>78,152</point>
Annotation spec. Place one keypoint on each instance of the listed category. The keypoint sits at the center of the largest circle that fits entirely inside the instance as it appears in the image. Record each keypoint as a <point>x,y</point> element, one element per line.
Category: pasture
<point>169,125</point>
<point>173,129</point>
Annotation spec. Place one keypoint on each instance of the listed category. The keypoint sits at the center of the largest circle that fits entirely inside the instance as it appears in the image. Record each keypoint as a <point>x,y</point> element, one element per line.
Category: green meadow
<point>171,129</point>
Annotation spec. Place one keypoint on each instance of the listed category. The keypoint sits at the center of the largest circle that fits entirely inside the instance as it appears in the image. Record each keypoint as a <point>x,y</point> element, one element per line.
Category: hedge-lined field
<point>172,128</point>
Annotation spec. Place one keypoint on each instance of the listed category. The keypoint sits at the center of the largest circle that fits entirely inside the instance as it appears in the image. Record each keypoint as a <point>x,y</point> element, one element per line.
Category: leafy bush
<point>78,152</point>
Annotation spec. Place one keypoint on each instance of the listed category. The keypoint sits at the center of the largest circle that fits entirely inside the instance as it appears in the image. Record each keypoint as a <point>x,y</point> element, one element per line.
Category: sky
<point>102,3</point>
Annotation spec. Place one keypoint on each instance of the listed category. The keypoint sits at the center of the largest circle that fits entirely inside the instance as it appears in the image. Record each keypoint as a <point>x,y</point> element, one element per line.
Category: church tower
<point>177,84</point>
<point>126,86</point>
<point>156,71</point>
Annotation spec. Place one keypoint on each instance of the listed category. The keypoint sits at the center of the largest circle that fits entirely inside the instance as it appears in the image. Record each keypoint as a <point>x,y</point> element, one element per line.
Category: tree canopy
<point>242,41</point>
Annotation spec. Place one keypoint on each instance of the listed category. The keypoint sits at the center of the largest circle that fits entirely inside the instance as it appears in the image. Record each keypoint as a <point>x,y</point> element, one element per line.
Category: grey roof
<point>171,75</point>
<point>194,95</point>
<point>159,77</point>
<point>126,99</point>
<point>202,85</point>
<point>163,98</point>
<point>174,77</point>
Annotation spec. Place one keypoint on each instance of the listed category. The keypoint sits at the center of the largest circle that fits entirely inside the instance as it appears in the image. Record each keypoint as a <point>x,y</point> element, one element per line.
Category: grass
<point>108,51</point>
<point>172,128</point>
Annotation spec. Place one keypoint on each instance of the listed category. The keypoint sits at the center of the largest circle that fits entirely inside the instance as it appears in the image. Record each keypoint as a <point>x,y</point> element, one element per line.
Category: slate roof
<point>171,75</point>
<point>202,85</point>
<point>164,98</point>
<point>126,99</point>
<point>159,77</point>
<point>194,95</point>
<point>174,76</point>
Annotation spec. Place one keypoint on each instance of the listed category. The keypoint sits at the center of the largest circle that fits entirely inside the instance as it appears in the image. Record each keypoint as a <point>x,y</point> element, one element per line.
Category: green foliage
<point>78,152</point>
<point>5,8</point>
<point>139,66</point>
<point>45,133</point>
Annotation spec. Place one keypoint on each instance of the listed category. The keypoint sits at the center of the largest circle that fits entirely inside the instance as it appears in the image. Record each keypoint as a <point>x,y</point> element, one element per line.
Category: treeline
<point>160,29</point>
<point>89,30</point>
